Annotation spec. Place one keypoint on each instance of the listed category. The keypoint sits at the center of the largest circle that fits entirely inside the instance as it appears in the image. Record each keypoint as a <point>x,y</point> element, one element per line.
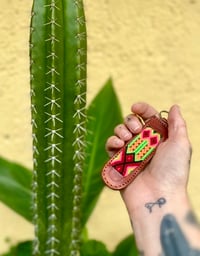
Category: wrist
<point>155,201</point>
<point>147,216</point>
<point>151,211</point>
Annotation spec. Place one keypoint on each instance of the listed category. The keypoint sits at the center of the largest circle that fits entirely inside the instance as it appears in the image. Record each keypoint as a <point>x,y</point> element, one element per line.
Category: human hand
<point>169,168</point>
<point>162,187</point>
<point>157,200</point>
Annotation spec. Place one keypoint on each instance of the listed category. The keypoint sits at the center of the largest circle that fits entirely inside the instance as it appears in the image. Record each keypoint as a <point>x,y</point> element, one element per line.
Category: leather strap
<point>113,178</point>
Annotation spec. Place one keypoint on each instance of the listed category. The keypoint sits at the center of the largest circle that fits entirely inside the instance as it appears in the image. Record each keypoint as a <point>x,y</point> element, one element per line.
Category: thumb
<point>177,130</point>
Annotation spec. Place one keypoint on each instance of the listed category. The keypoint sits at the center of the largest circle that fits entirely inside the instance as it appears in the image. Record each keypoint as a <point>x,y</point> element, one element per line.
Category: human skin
<point>157,200</point>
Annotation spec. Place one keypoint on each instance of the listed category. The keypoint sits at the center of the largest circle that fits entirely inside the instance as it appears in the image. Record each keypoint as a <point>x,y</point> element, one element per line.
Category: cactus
<point>58,97</point>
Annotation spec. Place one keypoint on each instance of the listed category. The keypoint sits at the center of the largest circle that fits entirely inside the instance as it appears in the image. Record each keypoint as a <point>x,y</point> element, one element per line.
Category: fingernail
<point>126,135</point>
<point>135,126</point>
<point>118,142</point>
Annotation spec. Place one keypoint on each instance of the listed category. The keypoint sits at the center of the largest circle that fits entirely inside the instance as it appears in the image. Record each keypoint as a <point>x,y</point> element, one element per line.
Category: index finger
<point>144,110</point>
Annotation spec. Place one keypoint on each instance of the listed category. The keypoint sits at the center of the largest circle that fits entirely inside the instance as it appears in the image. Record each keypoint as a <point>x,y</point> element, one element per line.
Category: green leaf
<point>22,249</point>
<point>126,247</point>
<point>15,187</point>
<point>103,113</point>
<point>94,248</point>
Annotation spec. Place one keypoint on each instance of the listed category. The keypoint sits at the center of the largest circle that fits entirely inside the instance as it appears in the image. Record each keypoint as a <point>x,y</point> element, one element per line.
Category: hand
<point>168,171</point>
<point>162,185</point>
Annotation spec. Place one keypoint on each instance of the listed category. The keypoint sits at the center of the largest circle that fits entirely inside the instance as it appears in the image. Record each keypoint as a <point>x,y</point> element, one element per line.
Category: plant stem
<point>58,98</point>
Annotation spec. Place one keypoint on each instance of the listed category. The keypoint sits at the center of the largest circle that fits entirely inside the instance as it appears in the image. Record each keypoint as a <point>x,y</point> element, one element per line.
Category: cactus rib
<point>58,98</point>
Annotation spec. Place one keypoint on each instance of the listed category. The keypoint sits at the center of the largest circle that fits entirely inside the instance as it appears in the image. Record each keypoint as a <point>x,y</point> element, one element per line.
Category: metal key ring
<point>163,112</point>
<point>140,118</point>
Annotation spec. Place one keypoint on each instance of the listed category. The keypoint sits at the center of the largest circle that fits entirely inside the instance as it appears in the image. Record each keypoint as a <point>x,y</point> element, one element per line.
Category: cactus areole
<point>58,98</point>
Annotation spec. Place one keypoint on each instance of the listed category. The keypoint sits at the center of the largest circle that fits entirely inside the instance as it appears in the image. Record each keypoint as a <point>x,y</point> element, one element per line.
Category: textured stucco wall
<point>152,51</point>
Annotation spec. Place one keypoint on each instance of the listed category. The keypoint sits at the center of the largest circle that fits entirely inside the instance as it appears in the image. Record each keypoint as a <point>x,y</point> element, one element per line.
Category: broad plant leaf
<point>103,115</point>
<point>126,247</point>
<point>21,249</point>
<point>15,180</point>
<point>94,248</point>
<point>15,187</point>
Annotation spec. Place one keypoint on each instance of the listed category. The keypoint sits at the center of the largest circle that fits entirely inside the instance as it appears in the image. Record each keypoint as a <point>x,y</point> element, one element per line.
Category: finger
<point>113,144</point>
<point>122,132</point>
<point>133,123</point>
<point>144,110</point>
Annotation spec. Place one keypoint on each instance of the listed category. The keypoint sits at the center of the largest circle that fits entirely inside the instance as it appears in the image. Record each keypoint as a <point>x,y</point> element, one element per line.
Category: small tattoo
<point>160,202</point>
<point>140,253</point>
<point>191,219</point>
<point>128,118</point>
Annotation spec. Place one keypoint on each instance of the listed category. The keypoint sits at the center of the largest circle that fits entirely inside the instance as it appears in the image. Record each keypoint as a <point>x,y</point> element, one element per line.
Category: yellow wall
<point>151,48</point>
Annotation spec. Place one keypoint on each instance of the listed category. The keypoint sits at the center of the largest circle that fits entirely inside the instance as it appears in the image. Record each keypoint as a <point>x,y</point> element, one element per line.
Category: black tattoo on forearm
<point>173,241</point>
<point>160,202</point>
<point>192,220</point>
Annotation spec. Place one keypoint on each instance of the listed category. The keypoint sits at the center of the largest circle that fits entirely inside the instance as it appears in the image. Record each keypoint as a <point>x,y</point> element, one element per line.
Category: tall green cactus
<point>58,98</point>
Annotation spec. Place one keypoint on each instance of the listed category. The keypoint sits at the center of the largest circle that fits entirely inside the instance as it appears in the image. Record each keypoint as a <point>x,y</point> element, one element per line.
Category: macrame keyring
<point>129,161</point>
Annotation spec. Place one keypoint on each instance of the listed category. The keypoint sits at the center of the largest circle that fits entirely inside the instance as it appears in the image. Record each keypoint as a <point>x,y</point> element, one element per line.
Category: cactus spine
<point>58,98</point>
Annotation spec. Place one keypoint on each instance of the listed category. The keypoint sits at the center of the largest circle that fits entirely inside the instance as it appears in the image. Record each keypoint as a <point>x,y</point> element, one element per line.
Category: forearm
<point>165,225</point>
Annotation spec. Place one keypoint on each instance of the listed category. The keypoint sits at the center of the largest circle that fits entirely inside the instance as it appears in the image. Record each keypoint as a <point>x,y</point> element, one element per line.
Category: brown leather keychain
<point>130,160</point>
